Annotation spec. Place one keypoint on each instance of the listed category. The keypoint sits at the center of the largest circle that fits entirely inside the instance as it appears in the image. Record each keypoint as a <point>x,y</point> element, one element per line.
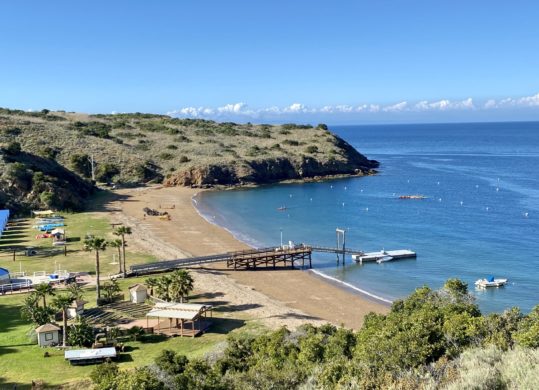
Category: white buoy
<point>525,215</point>
<point>366,209</point>
<point>497,189</point>
<point>408,181</point>
<point>311,199</point>
<point>477,186</point>
<point>290,195</point>
<point>345,188</point>
<point>461,202</point>
<point>342,204</point>
<point>439,199</point>
<point>331,186</point>
<point>487,208</point>
<point>438,183</point>
<point>360,190</point>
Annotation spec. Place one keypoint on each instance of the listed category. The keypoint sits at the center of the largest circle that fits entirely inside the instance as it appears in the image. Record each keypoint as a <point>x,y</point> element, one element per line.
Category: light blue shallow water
<point>481,217</point>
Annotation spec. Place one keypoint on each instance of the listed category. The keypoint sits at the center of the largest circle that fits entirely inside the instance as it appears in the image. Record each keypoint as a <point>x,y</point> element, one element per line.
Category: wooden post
<point>14,252</point>
<point>181,331</point>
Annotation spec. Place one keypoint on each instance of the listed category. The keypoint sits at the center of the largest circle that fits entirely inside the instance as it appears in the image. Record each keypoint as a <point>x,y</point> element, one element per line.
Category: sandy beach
<point>276,297</point>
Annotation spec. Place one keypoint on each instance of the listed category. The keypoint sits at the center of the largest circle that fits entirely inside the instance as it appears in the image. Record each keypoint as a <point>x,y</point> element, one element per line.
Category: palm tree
<point>42,290</point>
<point>96,244</point>
<point>74,290</point>
<point>162,287</point>
<point>62,302</point>
<point>151,283</point>
<point>122,231</point>
<point>117,243</point>
<point>181,284</point>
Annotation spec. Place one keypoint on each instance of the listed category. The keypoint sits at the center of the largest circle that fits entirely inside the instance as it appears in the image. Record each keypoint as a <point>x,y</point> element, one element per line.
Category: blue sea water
<point>481,217</point>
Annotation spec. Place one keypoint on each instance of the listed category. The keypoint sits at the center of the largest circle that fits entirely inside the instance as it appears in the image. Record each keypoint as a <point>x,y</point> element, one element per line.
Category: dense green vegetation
<point>432,339</point>
<point>140,148</point>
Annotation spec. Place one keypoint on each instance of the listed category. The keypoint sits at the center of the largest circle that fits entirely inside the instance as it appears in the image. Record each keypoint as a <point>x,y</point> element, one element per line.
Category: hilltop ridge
<point>141,148</point>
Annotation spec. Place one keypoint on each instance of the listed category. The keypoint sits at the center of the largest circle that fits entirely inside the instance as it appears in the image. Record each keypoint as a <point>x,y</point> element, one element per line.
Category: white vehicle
<point>384,259</point>
<point>490,282</point>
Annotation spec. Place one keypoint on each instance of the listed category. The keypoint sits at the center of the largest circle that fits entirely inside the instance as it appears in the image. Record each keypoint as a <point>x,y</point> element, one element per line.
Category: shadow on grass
<point>73,239</point>
<point>152,338</point>
<point>208,295</point>
<point>296,316</point>
<point>233,308</point>
<point>123,358</point>
<point>224,325</point>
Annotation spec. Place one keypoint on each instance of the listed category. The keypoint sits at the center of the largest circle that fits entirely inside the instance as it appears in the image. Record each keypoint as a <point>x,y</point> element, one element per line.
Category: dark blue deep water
<point>481,216</point>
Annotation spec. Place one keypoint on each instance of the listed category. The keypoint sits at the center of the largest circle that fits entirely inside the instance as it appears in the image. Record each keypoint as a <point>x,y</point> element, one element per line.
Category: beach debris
<point>153,213</point>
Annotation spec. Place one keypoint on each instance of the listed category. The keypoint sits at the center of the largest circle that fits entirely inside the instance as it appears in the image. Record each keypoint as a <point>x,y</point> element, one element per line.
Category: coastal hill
<point>141,148</point>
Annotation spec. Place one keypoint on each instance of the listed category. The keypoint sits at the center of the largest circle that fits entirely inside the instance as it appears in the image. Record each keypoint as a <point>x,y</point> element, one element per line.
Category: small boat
<point>282,208</point>
<point>412,197</point>
<point>384,259</point>
<point>490,282</point>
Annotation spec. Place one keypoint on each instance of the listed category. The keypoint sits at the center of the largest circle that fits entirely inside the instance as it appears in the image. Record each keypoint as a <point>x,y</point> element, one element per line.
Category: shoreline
<point>318,274</point>
<point>277,297</point>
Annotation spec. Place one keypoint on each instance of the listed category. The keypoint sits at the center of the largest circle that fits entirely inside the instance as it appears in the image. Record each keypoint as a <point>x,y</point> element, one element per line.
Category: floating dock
<point>375,256</point>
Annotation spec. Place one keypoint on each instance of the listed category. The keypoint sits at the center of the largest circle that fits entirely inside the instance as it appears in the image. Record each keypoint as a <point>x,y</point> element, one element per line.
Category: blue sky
<point>307,61</point>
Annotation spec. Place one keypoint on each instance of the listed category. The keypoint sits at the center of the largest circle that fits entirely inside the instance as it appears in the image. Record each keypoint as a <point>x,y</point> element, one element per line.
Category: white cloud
<point>396,107</point>
<point>242,110</point>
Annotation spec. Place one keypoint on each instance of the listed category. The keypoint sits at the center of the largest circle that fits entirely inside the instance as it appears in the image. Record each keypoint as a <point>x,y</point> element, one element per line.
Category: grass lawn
<point>49,258</point>
<point>21,362</point>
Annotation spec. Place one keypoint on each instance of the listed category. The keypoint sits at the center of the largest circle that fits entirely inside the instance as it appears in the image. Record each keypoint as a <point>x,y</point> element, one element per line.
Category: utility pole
<point>341,233</point>
<point>92,165</point>
<point>281,237</point>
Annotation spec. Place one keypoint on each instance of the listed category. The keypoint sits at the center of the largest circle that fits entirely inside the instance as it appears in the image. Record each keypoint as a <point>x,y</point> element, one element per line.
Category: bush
<point>80,163</point>
<point>312,149</point>
<point>166,156</point>
<point>291,142</point>
<point>322,126</point>
<point>184,159</point>
<point>172,147</point>
<point>13,148</point>
<point>95,129</point>
<point>105,172</point>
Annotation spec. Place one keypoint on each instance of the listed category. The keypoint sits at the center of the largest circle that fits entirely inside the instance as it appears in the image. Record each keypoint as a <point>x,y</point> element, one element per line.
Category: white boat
<point>490,282</point>
<point>384,259</point>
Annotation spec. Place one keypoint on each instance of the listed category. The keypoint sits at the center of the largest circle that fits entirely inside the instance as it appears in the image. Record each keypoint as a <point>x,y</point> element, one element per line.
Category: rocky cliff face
<point>269,170</point>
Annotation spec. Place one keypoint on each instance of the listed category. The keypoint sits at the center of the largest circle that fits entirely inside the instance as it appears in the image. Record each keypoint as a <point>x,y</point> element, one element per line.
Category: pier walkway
<point>248,259</point>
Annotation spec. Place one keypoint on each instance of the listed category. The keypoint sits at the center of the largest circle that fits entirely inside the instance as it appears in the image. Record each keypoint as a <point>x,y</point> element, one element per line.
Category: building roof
<point>138,287</point>
<point>183,311</point>
<point>47,328</point>
<point>3,271</point>
<point>78,302</point>
<point>86,354</point>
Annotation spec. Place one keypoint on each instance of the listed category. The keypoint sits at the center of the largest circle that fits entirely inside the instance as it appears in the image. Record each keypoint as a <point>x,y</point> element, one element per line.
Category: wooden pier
<point>248,259</point>
<point>251,259</point>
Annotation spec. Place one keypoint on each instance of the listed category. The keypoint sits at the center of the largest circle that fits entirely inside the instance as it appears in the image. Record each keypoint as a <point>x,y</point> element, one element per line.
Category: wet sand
<point>276,297</point>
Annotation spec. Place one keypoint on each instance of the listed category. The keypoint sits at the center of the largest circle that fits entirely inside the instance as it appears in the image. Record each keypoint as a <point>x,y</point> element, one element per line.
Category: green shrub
<point>166,156</point>
<point>184,159</point>
<point>172,147</point>
<point>81,164</point>
<point>291,142</point>
<point>13,148</point>
<point>105,172</point>
<point>312,149</point>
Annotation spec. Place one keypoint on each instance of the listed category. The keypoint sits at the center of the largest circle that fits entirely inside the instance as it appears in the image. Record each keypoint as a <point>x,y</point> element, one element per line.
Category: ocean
<point>480,218</point>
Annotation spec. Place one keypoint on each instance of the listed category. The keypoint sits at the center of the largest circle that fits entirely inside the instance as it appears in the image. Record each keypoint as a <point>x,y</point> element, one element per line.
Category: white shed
<point>138,293</point>
<point>48,334</point>
<point>76,308</point>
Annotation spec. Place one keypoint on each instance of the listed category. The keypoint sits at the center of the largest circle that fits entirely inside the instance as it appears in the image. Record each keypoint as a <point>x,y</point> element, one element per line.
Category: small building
<point>76,308</point>
<point>48,334</point>
<point>4,276</point>
<point>138,293</point>
<point>180,319</point>
<point>89,356</point>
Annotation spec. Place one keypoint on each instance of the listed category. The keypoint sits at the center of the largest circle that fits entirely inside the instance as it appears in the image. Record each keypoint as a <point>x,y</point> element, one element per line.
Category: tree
<point>104,376</point>
<point>181,284</point>
<point>81,164</point>
<point>81,334</point>
<point>62,302</point>
<point>96,244</point>
<point>151,283</point>
<point>111,289</point>
<point>122,231</point>
<point>117,243</point>
<point>42,290</point>
<point>162,288</point>
<point>74,290</point>
<point>32,312</point>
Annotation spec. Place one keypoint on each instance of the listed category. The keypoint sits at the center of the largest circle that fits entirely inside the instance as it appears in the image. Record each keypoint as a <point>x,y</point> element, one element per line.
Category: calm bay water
<point>481,216</point>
